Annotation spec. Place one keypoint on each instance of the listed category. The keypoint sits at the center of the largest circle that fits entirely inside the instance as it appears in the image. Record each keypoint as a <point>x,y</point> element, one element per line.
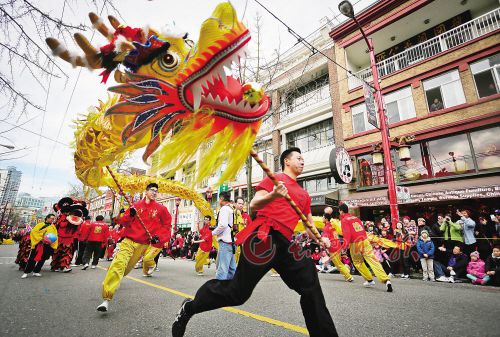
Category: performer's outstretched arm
<point>263,197</point>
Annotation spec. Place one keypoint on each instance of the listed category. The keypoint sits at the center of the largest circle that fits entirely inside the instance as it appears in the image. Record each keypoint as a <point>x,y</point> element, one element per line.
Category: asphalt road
<point>64,305</point>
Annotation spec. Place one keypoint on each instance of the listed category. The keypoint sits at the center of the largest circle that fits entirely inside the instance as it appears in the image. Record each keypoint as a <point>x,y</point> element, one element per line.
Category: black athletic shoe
<point>181,320</point>
<point>388,285</point>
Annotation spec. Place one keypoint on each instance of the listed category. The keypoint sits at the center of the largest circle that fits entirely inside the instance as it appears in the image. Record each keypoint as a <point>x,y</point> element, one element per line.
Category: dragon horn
<point>91,54</point>
<point>61,51</point>
<point>114,21</point>
<point>100,26</point>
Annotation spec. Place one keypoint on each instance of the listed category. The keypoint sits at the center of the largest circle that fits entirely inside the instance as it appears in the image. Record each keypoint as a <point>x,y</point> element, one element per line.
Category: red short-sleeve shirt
<point>278,213</point>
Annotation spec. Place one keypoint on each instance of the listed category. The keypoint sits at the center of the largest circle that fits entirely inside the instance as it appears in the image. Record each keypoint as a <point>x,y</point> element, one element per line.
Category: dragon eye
<point>169,61</point>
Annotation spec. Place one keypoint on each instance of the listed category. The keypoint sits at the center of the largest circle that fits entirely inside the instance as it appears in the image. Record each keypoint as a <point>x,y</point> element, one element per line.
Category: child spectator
<point>316,255</point>
<point>476,269</point>
<point>382,257</point>
<point>493,266</point>
<point>425,248</point>
<point>347,261</point>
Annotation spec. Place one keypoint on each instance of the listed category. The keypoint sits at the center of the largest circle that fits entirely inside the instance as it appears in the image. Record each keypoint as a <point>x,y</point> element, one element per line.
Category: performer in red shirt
<point>96,235</point>
<point>361,249</point>
<point>335,249</point>
<point>81,241</point>
<point>265,245</point>
<point>136,242</point>
<point>205,242</point>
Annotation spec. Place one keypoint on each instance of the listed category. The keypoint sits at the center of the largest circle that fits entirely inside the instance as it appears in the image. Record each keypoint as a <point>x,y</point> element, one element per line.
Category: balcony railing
<point>304,103</point>
<point>471,30</point>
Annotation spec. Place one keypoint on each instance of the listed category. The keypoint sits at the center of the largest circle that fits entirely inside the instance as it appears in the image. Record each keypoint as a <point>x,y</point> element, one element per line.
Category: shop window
<point>312,137</point>
<point>444,91</point>
<point>318,184</point>
<point>399,105</point>
<point>369,174</point>
<point>416,168</point>
<point>486,144</point>
<point>450,156</point>
<point>486,74</point>
<point>360,119</point>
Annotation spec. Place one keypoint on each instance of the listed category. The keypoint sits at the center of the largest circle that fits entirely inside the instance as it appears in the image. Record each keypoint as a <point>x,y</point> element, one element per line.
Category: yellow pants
<point>342,268</point>
<point>148,261</point>
<point>129,254</point>
<point>201,259</point>
<point>237,254</point>
<point>362,251</point>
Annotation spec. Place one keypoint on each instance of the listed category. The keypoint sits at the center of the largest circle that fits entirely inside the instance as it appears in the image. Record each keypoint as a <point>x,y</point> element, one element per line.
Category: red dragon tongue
<point>232,89</point>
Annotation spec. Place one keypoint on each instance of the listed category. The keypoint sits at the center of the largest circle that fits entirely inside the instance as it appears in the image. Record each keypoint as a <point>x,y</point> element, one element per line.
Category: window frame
<point>440,86</point>
<point>495,70</point>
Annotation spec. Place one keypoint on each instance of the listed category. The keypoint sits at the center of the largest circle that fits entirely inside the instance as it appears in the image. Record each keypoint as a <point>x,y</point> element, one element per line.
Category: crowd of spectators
<point>450,247</point>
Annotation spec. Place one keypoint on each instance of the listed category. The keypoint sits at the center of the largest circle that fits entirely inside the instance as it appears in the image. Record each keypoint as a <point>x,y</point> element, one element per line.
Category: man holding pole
<point>265,245</point>
<point>146,228</point>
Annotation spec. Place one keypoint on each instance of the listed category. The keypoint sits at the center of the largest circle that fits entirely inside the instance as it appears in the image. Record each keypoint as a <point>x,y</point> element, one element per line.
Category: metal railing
<point>302,103</point>
<point>462,34</point>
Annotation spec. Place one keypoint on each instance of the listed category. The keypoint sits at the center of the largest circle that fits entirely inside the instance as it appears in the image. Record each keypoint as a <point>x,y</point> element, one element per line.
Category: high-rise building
<point>10,179</point>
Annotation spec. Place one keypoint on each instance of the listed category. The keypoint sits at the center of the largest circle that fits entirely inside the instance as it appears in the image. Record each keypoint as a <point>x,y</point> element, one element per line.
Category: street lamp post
<point>346,8</point>
<point>177,203</point>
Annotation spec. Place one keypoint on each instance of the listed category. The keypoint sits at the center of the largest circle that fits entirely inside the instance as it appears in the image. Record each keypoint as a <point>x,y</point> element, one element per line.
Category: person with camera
<point>138,241</point>
<point>452,233</point>
<point>468,230</point>
<point>226,264</point>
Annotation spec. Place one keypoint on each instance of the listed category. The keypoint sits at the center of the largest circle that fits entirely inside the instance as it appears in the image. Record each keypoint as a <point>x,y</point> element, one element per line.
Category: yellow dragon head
<point>175,96</point>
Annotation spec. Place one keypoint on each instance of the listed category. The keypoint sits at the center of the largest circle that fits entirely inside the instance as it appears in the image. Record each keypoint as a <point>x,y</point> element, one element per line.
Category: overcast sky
<point>47,166</point>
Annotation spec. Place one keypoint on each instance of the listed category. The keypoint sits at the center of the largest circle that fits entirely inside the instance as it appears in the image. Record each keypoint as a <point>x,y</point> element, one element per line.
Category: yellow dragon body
<point>174,97</point>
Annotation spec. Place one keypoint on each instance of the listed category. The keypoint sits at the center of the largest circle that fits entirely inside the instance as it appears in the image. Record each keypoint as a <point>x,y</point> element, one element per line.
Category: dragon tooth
<point>241,105</point>
<point>226,102</point>
<point>196,97</point>
<point>221,73</point>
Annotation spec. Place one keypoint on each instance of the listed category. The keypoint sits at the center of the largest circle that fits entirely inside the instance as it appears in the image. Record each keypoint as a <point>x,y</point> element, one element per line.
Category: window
<point>486,74</point>
<point>318,184</point>
<point>304,95</point>
<point>450,156</point>
<point>360,119</point>
<point>188,174</point>
<point>399,105</point>
<point>444,91</point>
<point>370,174</point>
<point>486,144</point>
<point>312,137</point>
<point>414,169</point>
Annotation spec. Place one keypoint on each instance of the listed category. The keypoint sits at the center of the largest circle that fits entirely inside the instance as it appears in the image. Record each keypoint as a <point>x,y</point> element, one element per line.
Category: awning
<point>463,189</point>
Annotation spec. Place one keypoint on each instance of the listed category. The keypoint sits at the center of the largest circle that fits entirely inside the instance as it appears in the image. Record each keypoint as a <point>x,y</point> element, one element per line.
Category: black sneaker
<point>181,320</point>
<point>388,286</point>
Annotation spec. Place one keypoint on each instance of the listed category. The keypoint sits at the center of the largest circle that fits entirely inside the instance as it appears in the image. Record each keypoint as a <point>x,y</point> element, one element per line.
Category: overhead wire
<point>43,117</point>
<point>66,111</point>
<point>313,49</point>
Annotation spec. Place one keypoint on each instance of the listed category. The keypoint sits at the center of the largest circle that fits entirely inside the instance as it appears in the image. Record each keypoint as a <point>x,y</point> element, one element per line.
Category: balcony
<point>305,103</point>
<point>460,35</point>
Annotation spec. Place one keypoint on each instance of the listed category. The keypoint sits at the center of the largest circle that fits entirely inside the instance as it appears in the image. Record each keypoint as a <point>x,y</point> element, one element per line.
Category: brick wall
<point>454,57</point>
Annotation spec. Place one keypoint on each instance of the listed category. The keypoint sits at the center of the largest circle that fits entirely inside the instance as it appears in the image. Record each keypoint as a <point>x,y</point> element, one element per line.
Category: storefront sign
<point>446,195</point>
<point>371,111</point>
<point>341,166</point>
<point>426,35</point>
<point>320,200</point>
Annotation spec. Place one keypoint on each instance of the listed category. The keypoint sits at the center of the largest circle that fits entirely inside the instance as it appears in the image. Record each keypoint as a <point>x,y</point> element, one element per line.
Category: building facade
<point>439,66</point>
<point>10,179</point>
